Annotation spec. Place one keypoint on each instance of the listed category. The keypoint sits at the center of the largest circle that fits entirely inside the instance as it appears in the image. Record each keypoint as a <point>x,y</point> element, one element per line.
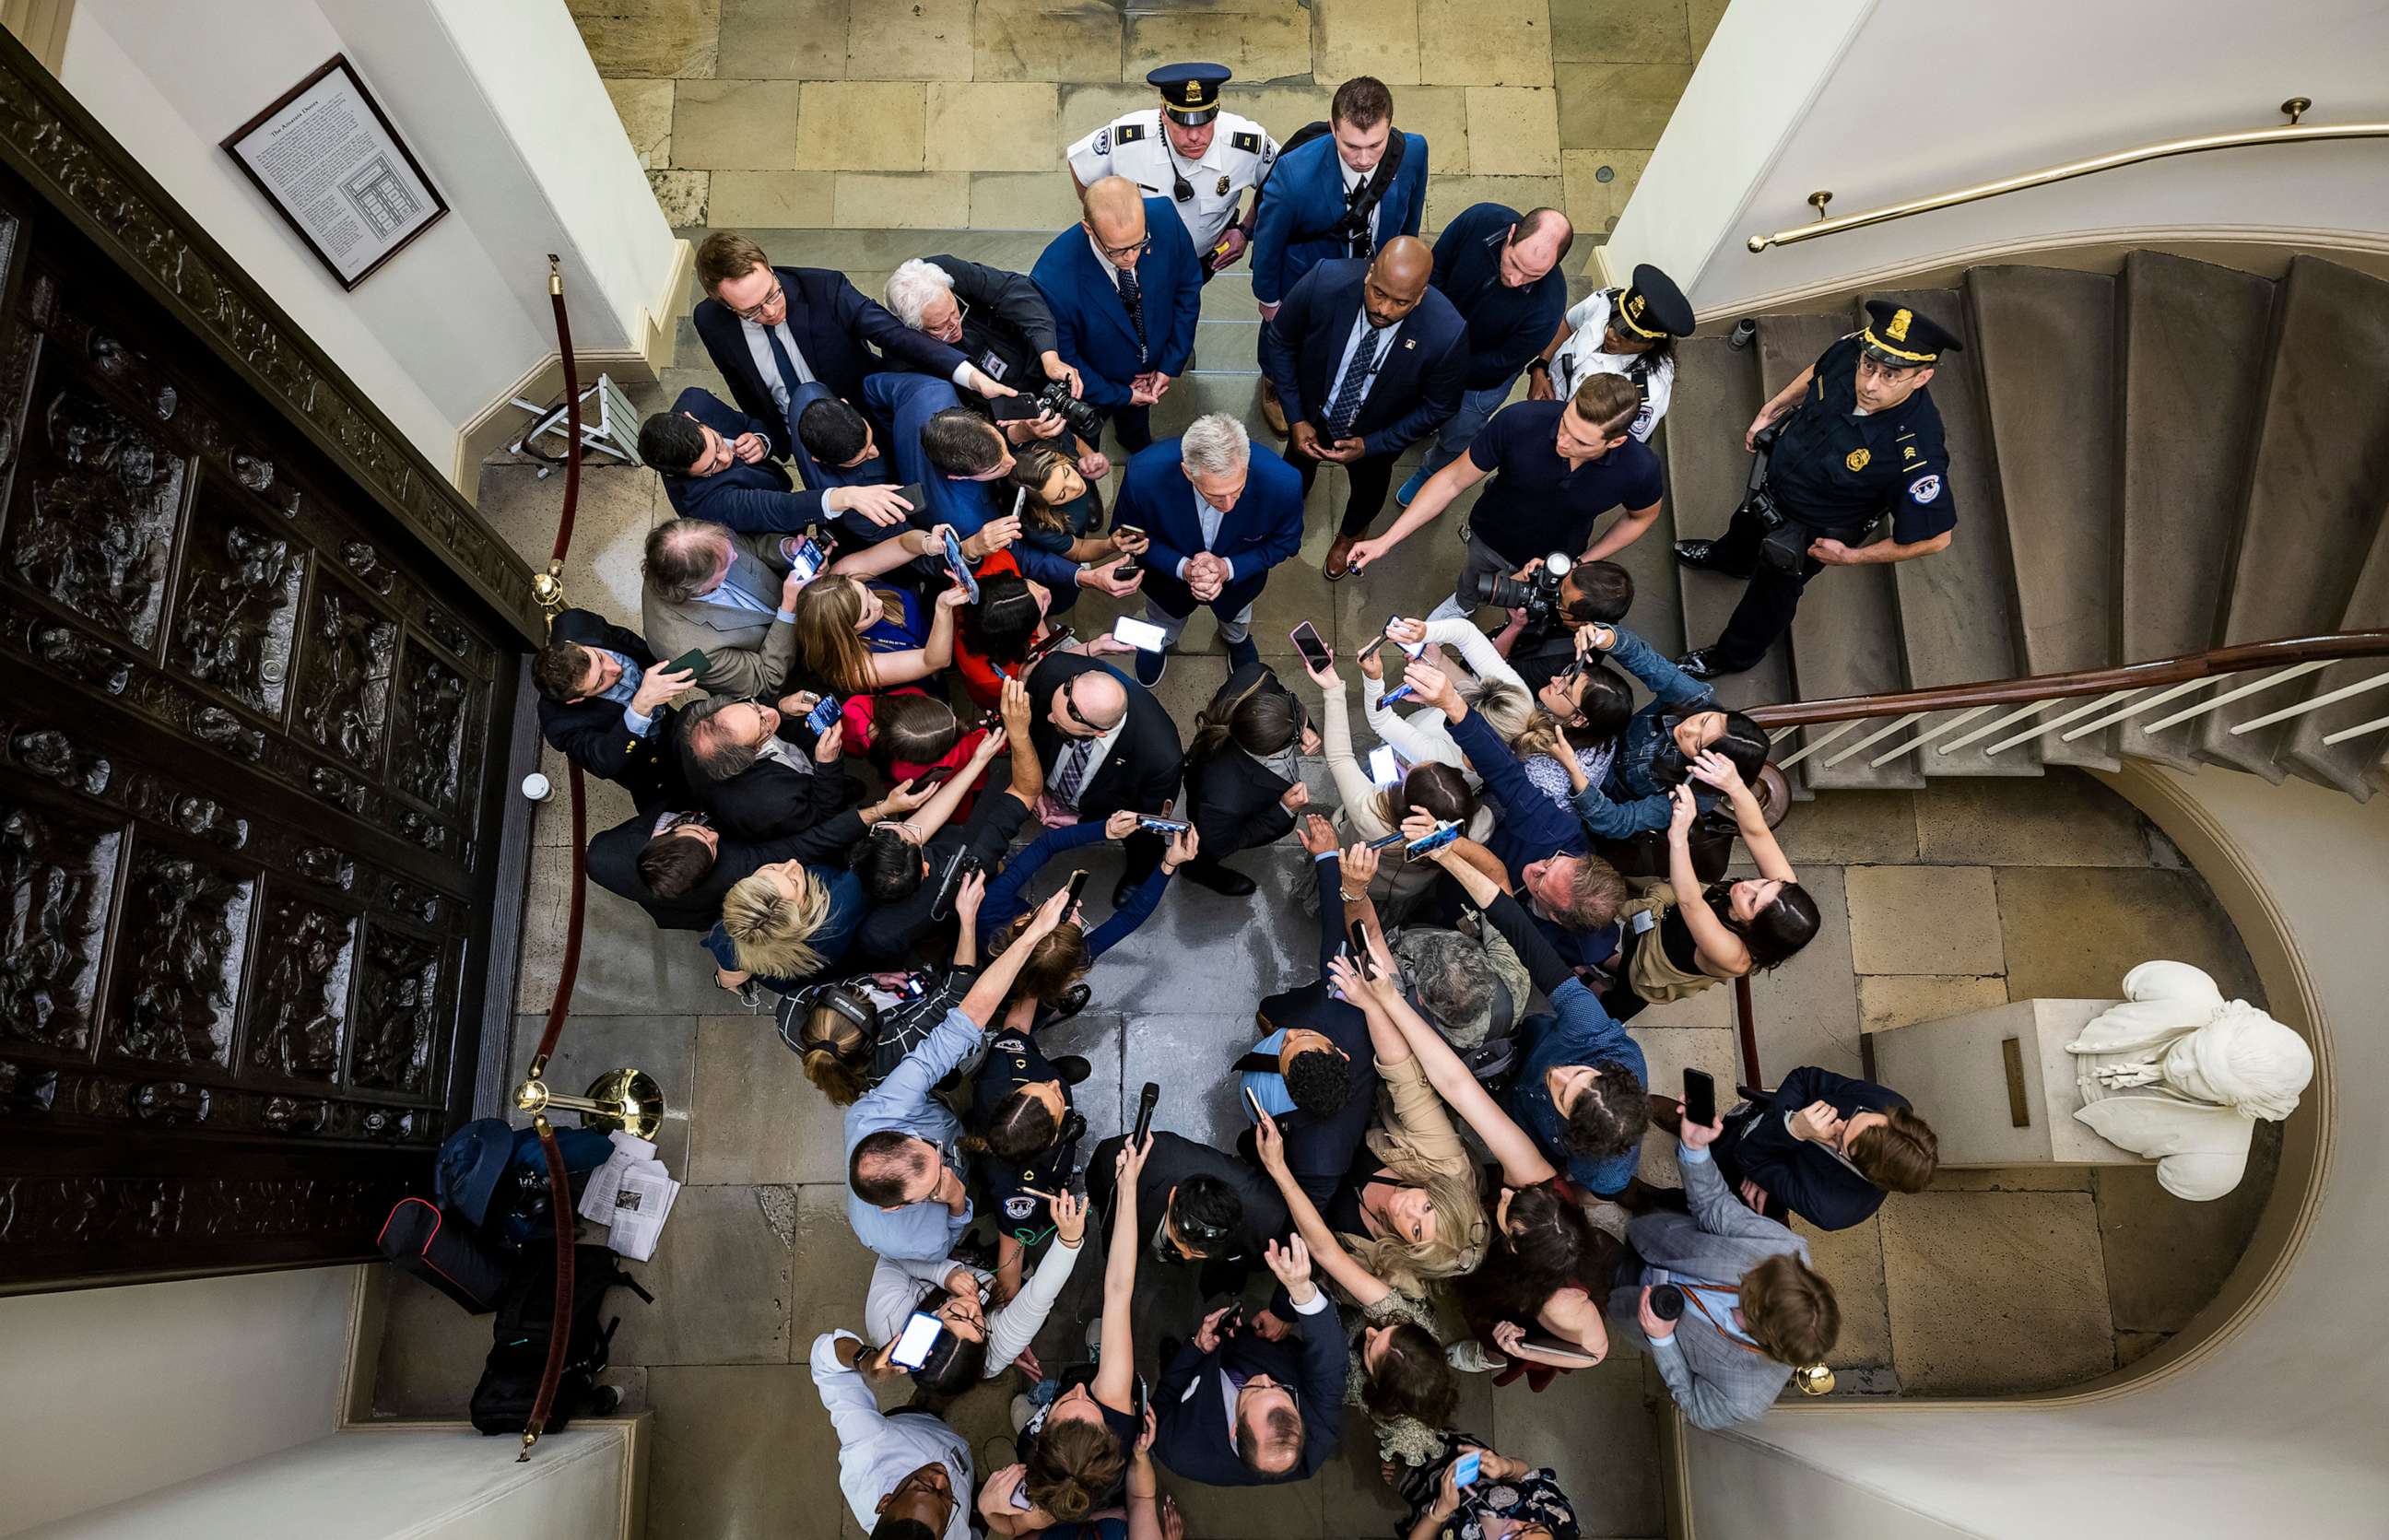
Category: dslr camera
<point>1082,418</point>
<point>1538,593</point>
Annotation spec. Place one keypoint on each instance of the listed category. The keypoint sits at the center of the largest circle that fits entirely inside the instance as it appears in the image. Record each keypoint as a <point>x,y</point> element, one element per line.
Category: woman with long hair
<point>1053,973</point>
<point>852,1035</point>
<point>1011,621</point>
<point>1657,743</point>
<point>1367,811</point>
<point>855,637</point>
<point>1058,506</point>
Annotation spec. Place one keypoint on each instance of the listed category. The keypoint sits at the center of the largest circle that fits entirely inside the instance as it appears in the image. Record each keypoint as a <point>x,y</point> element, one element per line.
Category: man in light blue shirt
<point>908,1196</point>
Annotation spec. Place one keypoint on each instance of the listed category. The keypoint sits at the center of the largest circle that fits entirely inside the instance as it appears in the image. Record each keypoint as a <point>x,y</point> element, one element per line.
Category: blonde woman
<point>783,925</point>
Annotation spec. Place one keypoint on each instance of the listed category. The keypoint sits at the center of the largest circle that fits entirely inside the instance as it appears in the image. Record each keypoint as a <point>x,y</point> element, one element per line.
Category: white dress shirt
<point>759,348</point>
<point>1361,332</point>
<point>1208,519</point>
<point>876,1451</point>
<point>1099,748</point>
<point>1241,155</point>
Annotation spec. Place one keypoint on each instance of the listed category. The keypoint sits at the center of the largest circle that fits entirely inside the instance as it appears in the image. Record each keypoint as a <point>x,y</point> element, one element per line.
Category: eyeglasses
<point>755,313</point>
<point>1133,248</point>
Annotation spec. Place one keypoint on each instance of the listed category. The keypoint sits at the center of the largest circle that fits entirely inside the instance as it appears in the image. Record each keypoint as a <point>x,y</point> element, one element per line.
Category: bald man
<point>1125,288</point>
<point>1369,359</point>
<point>1107,745</point>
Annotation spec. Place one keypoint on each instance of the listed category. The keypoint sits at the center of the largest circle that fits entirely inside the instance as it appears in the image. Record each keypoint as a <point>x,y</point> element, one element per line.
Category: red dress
<point>979,678</point>
<point>859,713</point>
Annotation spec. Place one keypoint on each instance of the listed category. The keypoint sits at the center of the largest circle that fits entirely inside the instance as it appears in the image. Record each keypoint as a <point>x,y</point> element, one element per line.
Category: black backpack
<point>525,1324</point>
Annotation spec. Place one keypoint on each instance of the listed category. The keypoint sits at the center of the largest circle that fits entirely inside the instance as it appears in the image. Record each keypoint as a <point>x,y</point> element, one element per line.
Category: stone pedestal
<point>1996,1104</point>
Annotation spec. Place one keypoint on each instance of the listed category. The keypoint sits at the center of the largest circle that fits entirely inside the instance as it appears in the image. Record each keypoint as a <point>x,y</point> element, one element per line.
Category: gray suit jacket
<point>745,653</point>
<point>1717,1380</point>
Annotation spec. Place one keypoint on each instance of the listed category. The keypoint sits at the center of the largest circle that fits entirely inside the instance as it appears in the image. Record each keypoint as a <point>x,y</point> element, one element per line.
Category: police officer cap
<point>1190,92</point>
<point>1653,307</point>
<point>1904,338</point>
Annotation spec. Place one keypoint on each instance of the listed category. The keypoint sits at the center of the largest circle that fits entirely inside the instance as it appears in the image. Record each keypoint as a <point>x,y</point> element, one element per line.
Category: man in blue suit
<point>1368,359</point>
<point>848,447</point>
<point>714,462</point>
<point>1344,194</point>
<point>1125,288</point>
<point>1219,513</point>
<point>786,336</point>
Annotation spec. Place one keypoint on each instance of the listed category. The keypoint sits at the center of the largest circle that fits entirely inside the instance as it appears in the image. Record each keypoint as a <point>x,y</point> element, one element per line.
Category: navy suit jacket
<point>1800,1177</point>
<point>1302,207</point>
<point>842,333</point>
<point>591,733</point>
<point>1092,326</point>
<point>1262,529</point>
<point>1417,385</point>
<point>758,498</point>
<point>1506,326</point>
<point>1191,1403</point>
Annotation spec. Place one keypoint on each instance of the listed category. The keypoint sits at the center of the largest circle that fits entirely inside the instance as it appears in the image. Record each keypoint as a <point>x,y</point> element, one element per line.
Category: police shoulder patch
<point>1019,1206</point>
<point>1103,141</point>
<point>1249,142</point>
<point>1925,488</point>
<point>1010,1045</point>
<point>1128,134</point>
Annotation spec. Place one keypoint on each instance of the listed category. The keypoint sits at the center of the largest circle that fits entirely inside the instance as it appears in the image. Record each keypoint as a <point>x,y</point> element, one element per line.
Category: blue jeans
<point>1476,407</point>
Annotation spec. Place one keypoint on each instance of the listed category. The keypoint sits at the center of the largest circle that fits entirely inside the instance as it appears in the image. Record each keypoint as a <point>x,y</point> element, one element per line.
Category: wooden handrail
<point>2279,653</point>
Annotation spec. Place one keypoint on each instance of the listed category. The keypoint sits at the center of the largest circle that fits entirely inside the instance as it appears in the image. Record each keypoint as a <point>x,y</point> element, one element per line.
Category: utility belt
<point>1784,547</point>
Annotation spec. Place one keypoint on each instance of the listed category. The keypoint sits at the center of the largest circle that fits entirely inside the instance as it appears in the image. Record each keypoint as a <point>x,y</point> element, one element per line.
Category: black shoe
<point>1150,667</point>
<point>1219,879</point>
<point>1702,663</point>
<point>1074,999</point>
<point>1071,1069</point>
<point>1701,555</point>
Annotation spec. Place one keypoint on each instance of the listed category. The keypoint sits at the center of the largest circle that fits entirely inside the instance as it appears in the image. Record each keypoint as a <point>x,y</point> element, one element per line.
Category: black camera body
<point>1083,418</point>
<point>1538,593</point>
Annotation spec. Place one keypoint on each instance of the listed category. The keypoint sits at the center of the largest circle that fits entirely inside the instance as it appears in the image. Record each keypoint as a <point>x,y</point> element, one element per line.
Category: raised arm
<point>1342,1268</point>
<point>1749,818</point>
<point>1522,1163</point>
<point>1115,1383</point>
<point>989,990</point>
<point>1544,964</point>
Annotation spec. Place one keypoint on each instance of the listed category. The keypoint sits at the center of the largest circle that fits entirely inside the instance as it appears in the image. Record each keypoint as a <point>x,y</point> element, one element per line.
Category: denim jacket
<point>1632,800</point>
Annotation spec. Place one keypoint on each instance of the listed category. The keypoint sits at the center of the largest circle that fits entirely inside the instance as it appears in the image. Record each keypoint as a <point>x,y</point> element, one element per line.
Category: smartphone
<point>1059,636</point>
<point>1144,635</point>
<point>808,559</point>
<point>1314,652</point>
<point>1147,1100</point>
<point>956,565</point>
<point>1388,842</point>
<point>1398,691</point>
<point>1078,886</point>
<point>1442,835</point>
<point>1255,1103</point>
<point>1021,1501</point>
<point>825,712</point>
<point>1700,1097</point>
<point>1410,649</point>
<point>1132,530</point>
<point>693,658</point>
<point>919,1334</point>
<point>1465,1470</point>
<point>1166,827</point>
<point>1383,768</point>
<point>1360,951</point>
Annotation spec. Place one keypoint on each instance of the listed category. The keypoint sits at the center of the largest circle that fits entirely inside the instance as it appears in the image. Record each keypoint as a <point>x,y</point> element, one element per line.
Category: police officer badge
<point>1223,186</point>
<point>1857,459</point>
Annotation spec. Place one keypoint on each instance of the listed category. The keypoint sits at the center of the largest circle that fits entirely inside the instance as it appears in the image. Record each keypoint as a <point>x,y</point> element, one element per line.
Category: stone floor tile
<point>1851,1260</point>
<point>914,200</point>
<point>1620,31</point>
<point>755,1117</point>
<point>1625,105</point>
<point>2075,932</point>
<point>618,508</point>
<point>924,40</point>
<point>1442,113</point>
<point>786,40</point>
<point>2166,1259</point>
<point>1366,37</point>
<point>1996,1292</point>
<point>1806,1011</point>
<point>1046,40</point>
<point>1292,1512</point>
<point>663,1046</point>
<point>1041,201</point>
<point>771,200</point>
<point>1704,17</point>
<point>987,126</point>
<point>1097,1036</point>
<point>834,1268</point>
<point>646,108</point>
<point>1850,829</point>
<point>681,196</point>
<point>2012,1179</point>
<point>1258,44</point>
<point>1485,43</point>
<point>628,967</point>
<point>735,126</point>
<point>650,38</point>
<point>1600,1438</point>
<point>1513,131</point>
<point>2066,818</point>
<point>1224,345</point>
<point>1188,1055</point>
<point>741,1454</point>
<point>1889,1000</point>
<point>1665,1057</point>
<point>862,126</point>
<point>604,803</point>
<point>1448,195</point>
<point>723,1279</point>
<point>1594,204</point>
<point>1925,920</point>
<point>1709,1008</point>
<point>1354,1499</point>
<point>431,1351</point>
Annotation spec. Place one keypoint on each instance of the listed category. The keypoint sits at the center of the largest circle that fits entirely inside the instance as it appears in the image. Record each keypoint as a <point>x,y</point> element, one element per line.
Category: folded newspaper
<point>632,1195</point>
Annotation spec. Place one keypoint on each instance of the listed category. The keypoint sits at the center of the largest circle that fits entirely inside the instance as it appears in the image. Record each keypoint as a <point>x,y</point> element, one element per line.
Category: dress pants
<point>1370,476</point>
<point>1481,559</point>
<point>1460,429</point>
<point>1772,597</point>
<point>1132,425</point>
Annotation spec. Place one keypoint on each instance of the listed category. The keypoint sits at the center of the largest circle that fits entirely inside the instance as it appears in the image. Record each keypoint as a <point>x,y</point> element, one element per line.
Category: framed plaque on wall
<point>325,156</point>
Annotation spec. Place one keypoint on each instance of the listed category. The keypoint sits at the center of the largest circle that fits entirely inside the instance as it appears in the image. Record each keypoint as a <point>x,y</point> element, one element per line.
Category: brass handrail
<point>2280,652</point>
<point>2293,132</point>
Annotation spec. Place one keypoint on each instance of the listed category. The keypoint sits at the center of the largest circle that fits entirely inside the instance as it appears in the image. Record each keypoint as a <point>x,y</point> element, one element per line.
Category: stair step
<point>2045,342</point>
<point>2314,492</point>
<point>2343,765</point>
<point>1700,443</point>
<point>1846,639</point>
<point>1955,623</point>
<point>1226,347</point>
<point>2189,333</point>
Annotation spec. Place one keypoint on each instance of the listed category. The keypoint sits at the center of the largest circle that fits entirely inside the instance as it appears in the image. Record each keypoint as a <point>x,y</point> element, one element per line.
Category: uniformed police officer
<point>1628,331</point>
<point>1026,1133</point>
<point>1189,151</point>
<point>1856,434</point>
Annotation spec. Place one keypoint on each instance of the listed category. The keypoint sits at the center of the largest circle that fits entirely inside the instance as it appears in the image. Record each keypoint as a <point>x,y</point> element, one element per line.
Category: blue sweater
<point>1630,799</point>
<point>1004,902</point>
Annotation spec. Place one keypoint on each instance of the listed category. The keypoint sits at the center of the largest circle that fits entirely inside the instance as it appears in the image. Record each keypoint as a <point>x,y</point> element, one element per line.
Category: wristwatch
<point>1535,364</point>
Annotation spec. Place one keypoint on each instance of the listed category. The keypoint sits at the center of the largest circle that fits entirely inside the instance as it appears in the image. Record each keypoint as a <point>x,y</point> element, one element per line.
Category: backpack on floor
<point>426,1240</point>
<point>525,1322</point>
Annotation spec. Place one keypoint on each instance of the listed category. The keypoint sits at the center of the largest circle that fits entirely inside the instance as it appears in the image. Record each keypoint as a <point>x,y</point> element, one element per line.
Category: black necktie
<point>1133,297</point>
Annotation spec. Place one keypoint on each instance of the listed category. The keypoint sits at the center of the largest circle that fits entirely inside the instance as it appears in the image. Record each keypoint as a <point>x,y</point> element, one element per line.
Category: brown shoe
<point>1339,559</point>
<point>1272,413</point>
<point>1666,1113</point>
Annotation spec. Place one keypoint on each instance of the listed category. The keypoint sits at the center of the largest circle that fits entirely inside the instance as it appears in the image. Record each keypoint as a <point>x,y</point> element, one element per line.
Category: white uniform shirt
<point>1136,147</point>
<point>1580,357</point>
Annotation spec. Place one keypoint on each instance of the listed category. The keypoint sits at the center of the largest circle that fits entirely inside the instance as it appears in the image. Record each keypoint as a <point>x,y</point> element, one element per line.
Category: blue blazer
<point>1094,331</point>
<point>841,333</point>
<point>1303,203</point>
<point>758,498</point>
<point>1417,385</point>
<point>1262,529</point>
<point>907,402</point>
